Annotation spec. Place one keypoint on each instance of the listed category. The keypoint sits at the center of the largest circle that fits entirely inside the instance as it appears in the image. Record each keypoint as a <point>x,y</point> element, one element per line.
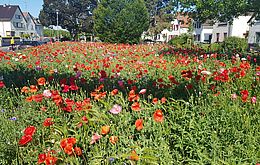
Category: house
<point>179,26</point>
<point>38,27</point>
<point>238,28</point>
<point>254,30</point>
<point>12,21</point>
<point>203,31</point>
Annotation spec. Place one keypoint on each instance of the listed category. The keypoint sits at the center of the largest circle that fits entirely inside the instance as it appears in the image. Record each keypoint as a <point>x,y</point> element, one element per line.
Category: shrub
<point>214,47</point>
<point>235,43</point>
<point>183,40</point>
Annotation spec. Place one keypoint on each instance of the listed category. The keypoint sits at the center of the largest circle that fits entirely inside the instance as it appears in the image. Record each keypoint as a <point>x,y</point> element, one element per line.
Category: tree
<point>121,21</point>
<point>74,15</point>
<point>161,14</point>
<point>220,10</point>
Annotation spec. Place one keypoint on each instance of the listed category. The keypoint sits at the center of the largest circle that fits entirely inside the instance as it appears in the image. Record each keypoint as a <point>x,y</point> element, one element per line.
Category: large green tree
<point>74,15</point>
<point>121,21</point>
<point>221,10</point>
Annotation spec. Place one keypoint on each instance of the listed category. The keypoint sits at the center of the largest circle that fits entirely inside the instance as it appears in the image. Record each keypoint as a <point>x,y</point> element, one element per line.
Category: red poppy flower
<point>51,160</point>
<point>155,100</point>
<point>114,92</point>
<point>41,158</point>
<point>29,130</point>
<point>48,122</point>
<point>25,139</point>
<point>135,106</point>
<point>72,140</point>
<point>68,149</point>
<point>139,124</point>
<point>37,98</point>
<point>2,84</point>
<point>158,116</point>
<point>78,151</point>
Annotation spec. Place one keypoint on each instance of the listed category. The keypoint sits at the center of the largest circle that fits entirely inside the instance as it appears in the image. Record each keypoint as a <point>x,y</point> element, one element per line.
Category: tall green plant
<point>183,40</point>
<point>121,21</point>
<point>235,43</point>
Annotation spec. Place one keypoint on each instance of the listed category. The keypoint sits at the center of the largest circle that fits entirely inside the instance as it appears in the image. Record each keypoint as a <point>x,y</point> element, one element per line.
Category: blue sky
<point>32,6</point>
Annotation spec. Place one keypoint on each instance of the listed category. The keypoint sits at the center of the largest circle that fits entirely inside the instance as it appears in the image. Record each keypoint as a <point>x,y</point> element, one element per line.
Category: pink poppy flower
<point>95,138</point>
<point>116,109</point>
<point>253,100</point>
<point>47,93</point>
<point>143,91</point>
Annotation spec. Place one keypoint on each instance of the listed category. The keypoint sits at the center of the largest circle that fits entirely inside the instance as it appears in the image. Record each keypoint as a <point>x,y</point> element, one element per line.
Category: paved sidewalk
<point>5,49</point>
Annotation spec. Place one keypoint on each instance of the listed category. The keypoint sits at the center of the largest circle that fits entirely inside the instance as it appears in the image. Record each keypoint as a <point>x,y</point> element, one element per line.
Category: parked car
<point>28,44</point>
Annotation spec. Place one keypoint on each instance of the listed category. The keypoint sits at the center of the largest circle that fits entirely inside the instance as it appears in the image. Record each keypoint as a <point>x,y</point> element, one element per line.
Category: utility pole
<point>57,13</point>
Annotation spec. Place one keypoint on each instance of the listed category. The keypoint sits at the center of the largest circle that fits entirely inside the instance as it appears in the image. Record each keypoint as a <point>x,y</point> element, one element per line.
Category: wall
<point>17,30</point>
<point>4,26</point>
<point>240,26</point>
<point>252,32</point>
<point>221,29</point>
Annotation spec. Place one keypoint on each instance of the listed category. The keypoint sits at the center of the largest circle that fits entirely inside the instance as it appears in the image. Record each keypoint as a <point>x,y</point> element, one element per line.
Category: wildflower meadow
<point>97,103</point>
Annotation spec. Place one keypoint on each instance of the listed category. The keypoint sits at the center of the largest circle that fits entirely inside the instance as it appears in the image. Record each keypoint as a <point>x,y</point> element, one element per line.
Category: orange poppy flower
<point>114,92</point>
<point>68,149</point>
<point>158,116</point>
<point>155,100</point>
<point>37,98</point>
<point>41,81</point>
<point>113,139</point>
<point>139,124</point>
<point>25,89</point>
<point>33,88</point>
<point>105,130</point>
<point>163,100</point>
<point>136,106</point>
<point>134,156</point>
<point>29,99</point>
<point>78,151</point>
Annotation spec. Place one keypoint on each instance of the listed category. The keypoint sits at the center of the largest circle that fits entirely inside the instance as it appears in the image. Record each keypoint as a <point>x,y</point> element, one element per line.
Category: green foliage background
<point>120,21</point>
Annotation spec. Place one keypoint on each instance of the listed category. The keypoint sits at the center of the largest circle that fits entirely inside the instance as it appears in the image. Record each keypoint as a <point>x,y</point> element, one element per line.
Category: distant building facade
<point>254,30</point>
<point>238,28</point>
<point>13,22</point>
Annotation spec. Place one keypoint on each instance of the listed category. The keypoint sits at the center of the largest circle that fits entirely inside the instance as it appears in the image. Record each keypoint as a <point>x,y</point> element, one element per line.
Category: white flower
<point>204,72</point>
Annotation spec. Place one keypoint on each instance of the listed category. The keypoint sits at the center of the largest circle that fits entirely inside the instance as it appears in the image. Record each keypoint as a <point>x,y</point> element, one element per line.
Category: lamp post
<point>57,13</point>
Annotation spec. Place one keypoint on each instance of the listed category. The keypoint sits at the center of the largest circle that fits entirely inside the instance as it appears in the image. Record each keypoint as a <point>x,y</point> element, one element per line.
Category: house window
<point>222,24</point>
<point>198,37</point>
<point>17,16</point>
<point>257,37</point>
<point>217,37</point>
<point>225,35</point>
<point>196,25</point>
<point>18,25</point>
<point>176,27</point>
<point>10,33</point>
